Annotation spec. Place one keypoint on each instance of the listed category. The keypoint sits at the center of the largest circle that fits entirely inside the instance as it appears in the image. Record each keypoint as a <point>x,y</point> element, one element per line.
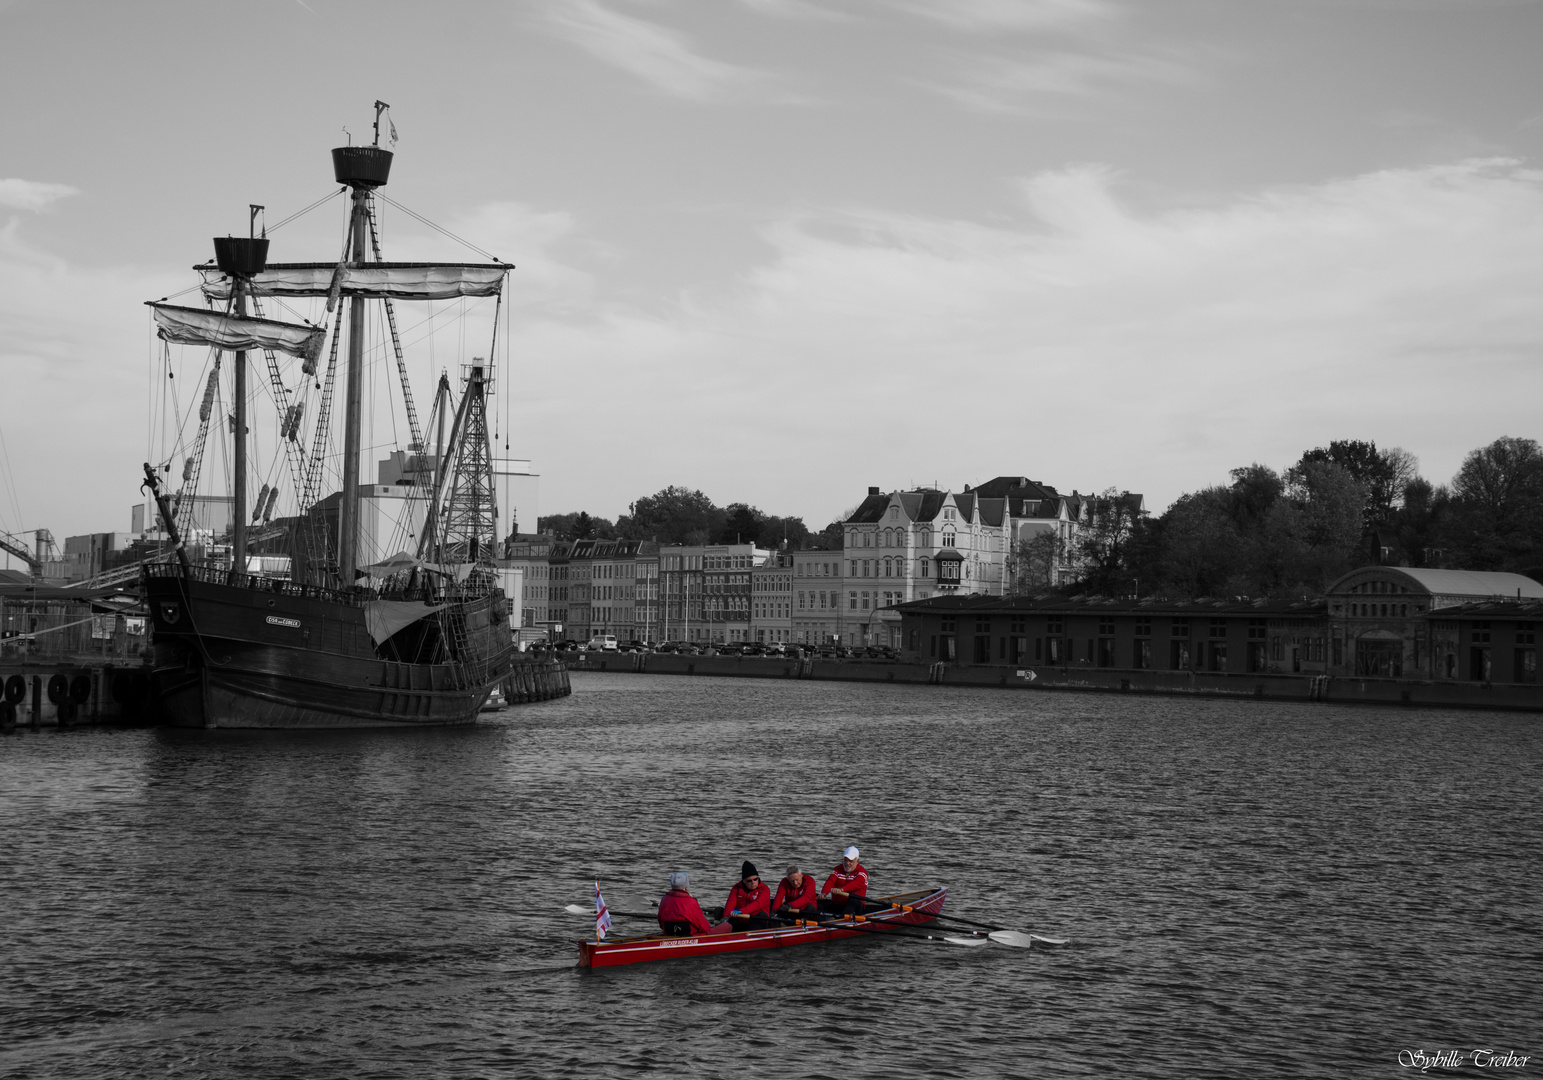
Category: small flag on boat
<point>602,914</point>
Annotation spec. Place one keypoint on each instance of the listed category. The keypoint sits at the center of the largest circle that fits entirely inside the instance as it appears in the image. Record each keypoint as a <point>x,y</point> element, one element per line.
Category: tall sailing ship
<point>416,637</point>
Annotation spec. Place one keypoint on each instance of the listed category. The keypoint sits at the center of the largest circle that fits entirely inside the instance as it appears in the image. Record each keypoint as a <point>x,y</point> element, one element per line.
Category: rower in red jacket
<point>844,891</point>
<point>796,895</point>
<point>749,902</point>
<point>679,913</point>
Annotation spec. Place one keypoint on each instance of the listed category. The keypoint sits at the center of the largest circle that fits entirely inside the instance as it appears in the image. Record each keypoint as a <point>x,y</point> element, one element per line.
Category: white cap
<point>850,852</point>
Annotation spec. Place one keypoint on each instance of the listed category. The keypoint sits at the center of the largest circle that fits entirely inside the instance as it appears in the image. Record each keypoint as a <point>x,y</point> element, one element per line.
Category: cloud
<point>659,56</point>
<point>995,16</point>
<point>1091,344</point>
<point>1049,79</point>
<point>32,194</point>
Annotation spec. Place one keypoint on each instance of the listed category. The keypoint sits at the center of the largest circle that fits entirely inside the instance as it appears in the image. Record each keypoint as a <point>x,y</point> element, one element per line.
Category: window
<point>1256,629</point>
<point>1180,628</point>
<point>1143,626</point>
<point>1178,654</point>
<point>1219,629</point>
<point>1141,653</point>
<point>925,568</point>
<point>1106,625</point>
<point>853,601</point>
<point>948,539</point>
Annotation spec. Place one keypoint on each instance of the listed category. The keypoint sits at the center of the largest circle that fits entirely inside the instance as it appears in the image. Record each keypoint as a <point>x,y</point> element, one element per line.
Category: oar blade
<point>1015,938</point>
<point>955,939</point>
<point>1040,939</point>
<point>578,909</point>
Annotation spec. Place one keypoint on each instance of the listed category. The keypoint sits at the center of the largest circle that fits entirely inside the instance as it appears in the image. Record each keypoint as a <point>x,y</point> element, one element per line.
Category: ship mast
<point>241,258</point>
<point>362,169</point>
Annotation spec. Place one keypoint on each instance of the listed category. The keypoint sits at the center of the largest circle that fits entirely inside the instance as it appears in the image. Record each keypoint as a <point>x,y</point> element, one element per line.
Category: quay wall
<point>70,693</point>
<point>1337,689</point>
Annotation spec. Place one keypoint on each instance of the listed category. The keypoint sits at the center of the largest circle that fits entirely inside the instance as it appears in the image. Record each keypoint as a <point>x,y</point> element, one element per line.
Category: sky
<point>783,250</point>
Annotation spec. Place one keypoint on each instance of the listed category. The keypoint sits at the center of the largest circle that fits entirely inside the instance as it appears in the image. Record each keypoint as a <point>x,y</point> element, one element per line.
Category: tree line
<point>1262,534</point>
<point>678,515</point>
<point>1279,534</point>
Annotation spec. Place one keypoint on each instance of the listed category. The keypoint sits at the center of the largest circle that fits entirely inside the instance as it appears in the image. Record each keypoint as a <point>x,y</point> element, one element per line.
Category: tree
<point>788,532</point>
<point>832,537</point>
<point>576,526</point>
<point>1202,550</point>
<point>1497,512</point>
<point>1332,503</point>
<point>1367,466</point>
<point>1031,563</point>
<point>1101,544</point>
<point>675,515</point>
<point>742,524</point>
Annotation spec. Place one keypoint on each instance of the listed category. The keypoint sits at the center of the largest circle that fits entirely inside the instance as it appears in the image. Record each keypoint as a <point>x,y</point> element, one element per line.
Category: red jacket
<point>755,901</point>
<point>855,882</point>
<point>678,905</point>
<point>802,897</point>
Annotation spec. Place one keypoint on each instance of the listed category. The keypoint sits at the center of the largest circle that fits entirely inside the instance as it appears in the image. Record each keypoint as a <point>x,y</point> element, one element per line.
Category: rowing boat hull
<point>924,904</point>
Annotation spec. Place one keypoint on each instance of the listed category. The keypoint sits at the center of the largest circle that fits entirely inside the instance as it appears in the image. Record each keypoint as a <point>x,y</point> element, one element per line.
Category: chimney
<point>873,491</point>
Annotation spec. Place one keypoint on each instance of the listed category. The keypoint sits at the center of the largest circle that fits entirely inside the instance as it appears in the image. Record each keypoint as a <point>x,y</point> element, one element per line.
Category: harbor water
<point>1249,888</point>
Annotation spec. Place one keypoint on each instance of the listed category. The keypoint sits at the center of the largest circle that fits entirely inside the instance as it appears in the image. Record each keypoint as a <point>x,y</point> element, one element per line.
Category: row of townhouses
<point>896,547</point>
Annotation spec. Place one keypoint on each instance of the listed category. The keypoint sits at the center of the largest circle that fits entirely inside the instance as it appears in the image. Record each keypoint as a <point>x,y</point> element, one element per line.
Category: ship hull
<point>283,657</point>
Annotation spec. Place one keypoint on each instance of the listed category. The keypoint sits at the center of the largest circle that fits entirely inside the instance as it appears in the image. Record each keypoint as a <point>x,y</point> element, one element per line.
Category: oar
<point>999,934</point>
<point>886,928</point>
<point>579,909</point>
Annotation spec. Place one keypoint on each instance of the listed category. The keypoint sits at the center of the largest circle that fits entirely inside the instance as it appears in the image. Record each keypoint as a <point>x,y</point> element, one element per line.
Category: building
<point>616,568</point>
<point>1044,527</point>
<point>893,546</point>
<point>1384,622</point>
<point>531,556</point>
<point>817,594</point>
<point>646,612</point>
<point>1218,636</point>
<point>1493,641</point>
<point>1377,622</point>
<point>771,599</point>
<point>681,588</point>
<point>727,595</point>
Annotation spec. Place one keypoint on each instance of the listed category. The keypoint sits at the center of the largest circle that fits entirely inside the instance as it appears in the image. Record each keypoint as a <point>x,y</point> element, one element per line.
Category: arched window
<point>887,572</point>
<point>923,567</point>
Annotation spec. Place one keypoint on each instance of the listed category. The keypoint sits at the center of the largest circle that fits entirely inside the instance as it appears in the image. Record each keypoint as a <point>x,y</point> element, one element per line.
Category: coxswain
<point>845,889</point>
<point>679,913</point>
<point>749,904</point>
<point>796,895</point>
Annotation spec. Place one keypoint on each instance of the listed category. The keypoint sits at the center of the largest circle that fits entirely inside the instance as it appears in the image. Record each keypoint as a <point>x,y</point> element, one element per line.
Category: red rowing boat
<point>911,908</point>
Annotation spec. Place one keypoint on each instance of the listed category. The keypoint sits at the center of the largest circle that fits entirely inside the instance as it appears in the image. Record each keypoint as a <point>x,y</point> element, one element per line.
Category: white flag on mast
<point>602,914</point>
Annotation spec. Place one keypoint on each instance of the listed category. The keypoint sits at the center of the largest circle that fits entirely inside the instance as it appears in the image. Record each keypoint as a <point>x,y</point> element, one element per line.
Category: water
<point>1250,888</point>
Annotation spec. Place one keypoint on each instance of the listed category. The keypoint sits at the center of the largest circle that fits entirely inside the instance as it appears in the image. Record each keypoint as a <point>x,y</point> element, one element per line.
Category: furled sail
<point>375,281</point>
<point>216,329</point>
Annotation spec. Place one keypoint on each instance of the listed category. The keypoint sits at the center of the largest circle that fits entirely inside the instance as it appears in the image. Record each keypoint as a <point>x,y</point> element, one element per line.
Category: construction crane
<point>13,545</point>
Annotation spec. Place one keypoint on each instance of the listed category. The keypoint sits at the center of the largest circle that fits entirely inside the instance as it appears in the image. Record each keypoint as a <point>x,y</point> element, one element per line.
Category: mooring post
<point>37,700</point>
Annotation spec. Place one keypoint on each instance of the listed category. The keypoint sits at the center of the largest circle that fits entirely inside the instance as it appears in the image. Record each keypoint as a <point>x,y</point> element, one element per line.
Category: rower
<point>749,904</point>
<point>847,886</point>
<point>679,913</point>
<point>796,896</point>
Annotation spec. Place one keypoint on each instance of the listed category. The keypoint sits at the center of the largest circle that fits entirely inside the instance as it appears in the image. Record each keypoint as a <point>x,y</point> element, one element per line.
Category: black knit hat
<point>748,871</point>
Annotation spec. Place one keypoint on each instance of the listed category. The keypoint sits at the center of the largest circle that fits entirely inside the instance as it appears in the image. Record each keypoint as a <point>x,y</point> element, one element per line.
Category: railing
<point>216,575</point>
